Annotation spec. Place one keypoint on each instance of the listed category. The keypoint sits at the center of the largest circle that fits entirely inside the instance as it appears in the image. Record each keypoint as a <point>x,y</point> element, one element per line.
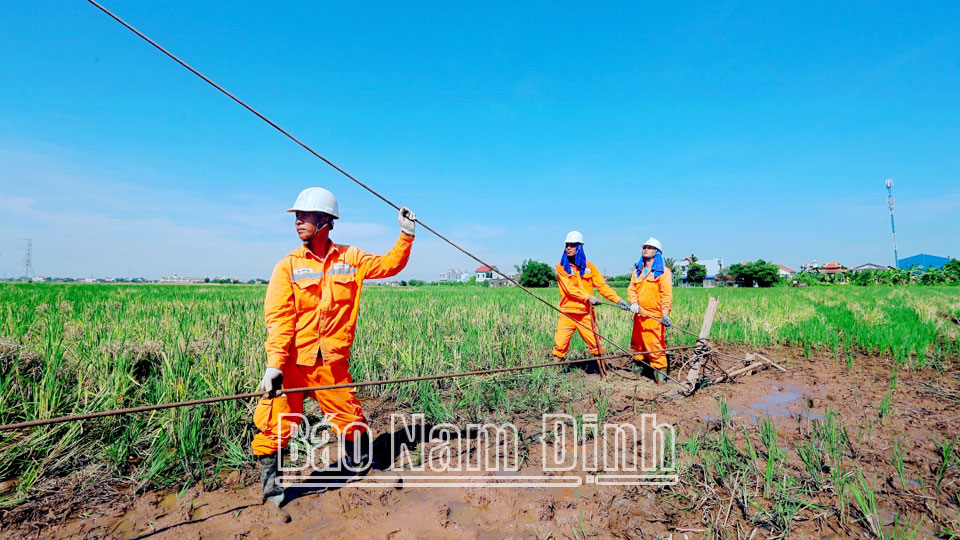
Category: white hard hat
<point>316,199</point>
<point>574,237</point>
<point>653,242</point>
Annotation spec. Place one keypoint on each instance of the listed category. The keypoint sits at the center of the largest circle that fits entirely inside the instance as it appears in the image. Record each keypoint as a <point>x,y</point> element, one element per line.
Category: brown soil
<point>925,405</point>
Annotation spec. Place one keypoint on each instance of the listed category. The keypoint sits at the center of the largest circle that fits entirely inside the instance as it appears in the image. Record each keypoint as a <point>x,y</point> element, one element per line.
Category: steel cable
<point>649,316</point>
<point>479,372</point>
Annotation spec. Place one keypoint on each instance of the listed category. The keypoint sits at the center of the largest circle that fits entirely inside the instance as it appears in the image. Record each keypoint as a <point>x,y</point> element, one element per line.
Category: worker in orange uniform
<point>577,279</point>
<point>651,295</point>
<point>311,312</point>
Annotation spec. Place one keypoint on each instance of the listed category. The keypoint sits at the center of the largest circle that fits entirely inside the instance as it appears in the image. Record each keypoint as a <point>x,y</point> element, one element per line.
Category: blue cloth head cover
<point>580,259</point>
<point>656,267</point>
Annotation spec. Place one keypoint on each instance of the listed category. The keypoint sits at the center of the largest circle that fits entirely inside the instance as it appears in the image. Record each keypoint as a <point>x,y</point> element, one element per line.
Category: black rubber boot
<point>357,453</point>
<point>272,491</point>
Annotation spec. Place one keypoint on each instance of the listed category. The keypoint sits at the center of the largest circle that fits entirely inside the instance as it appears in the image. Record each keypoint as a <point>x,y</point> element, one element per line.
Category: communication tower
<point>28,272</point>
<point>896,260</point>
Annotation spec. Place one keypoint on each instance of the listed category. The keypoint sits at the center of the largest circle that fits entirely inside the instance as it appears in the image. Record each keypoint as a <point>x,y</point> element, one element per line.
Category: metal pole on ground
<point>601,364</point>
<point>701,350</point>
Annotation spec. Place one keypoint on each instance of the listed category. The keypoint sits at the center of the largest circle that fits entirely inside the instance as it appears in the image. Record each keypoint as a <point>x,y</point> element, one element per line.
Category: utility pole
<point>896,260</point>
<point>28,260</point>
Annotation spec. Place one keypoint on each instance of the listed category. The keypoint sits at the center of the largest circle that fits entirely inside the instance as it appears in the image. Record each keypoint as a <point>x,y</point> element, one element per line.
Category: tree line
<point>761,273</point>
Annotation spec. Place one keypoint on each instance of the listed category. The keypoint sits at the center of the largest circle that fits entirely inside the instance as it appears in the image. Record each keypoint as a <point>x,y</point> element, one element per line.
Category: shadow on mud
<point>233,510</point>
<point>386,450</point>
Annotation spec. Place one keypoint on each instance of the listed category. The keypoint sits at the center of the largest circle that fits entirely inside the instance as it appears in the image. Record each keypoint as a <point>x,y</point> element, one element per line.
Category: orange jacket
<point>311,304</point>
<point>654,295</point>
<point>574,289</point>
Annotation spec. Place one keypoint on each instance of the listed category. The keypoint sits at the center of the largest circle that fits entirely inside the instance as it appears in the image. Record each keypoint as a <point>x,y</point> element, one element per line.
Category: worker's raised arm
<point>382,266</point>
<point>281,315</point>
<point>601,285</point>
<point>567,289</point>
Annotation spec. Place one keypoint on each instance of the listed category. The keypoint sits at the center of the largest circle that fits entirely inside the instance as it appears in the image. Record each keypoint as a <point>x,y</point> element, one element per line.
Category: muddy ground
<point>923,408</point>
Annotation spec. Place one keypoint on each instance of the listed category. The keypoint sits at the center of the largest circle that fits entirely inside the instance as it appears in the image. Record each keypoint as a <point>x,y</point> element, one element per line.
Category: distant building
<point>501,282</point>
<point>786,272</point>
<point>832,267</point>
<point>38,279</point>
<point>181,279</point>
<point>714,268</point>
<point>454,276</point>
<point>868,266</point>
<point>922,261</point>
<point>484,273</point>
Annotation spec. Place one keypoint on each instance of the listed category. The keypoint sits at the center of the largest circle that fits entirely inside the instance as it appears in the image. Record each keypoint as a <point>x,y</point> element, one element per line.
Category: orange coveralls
<point>654,295</point>
<point>311,311</point>
<point>574,291</point>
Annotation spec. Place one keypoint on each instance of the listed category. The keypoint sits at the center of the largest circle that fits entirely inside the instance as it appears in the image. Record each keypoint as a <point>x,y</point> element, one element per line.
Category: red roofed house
<point>833,267</point>
<point>484,273</point>
<point>786,272</point>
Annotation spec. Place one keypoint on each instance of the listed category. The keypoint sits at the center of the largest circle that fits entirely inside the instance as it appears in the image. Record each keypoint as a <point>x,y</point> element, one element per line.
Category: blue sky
<point>725,129</point>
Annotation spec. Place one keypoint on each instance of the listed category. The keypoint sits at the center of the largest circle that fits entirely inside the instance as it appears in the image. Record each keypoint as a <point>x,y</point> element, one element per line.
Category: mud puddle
<point>776,400</point>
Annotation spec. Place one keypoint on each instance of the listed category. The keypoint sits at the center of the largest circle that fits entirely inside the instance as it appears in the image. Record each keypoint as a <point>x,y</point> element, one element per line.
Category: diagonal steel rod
<point>478,372</point>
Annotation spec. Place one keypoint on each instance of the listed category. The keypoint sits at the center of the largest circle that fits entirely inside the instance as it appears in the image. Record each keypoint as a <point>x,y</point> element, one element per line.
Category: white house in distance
<point>454,276</point>
<point>484,273</point>
<point>786,272</point>
<point>181,279</point>
<point>713,266</point>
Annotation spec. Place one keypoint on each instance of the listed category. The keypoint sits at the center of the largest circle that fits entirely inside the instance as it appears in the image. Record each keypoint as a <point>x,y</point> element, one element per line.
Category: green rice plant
<point>831,438</point>
<point>580,529</point>
<point>692,445</point>
<point>601,398</point>
<point>751,451</point>
<point>898,455</point>
<point>946,449</point>
<point>904,531</point>
<point>788,502</point>
<point>866,503</point>
<point>885,406</point>
<point>774,466</point>
<point>865,431</point>
<point>811,455</point>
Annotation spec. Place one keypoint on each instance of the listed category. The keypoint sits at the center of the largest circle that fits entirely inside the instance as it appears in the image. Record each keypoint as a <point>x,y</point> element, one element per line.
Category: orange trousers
<point>565,330</point>
<point>275,431</point>
<point>648,336</point>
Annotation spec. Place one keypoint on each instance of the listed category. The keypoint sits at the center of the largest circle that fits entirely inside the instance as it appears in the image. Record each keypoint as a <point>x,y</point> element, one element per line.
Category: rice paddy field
<point>70,349</point>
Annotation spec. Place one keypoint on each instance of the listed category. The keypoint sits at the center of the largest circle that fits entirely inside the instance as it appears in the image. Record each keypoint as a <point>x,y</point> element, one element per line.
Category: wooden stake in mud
<point>701,350</point>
